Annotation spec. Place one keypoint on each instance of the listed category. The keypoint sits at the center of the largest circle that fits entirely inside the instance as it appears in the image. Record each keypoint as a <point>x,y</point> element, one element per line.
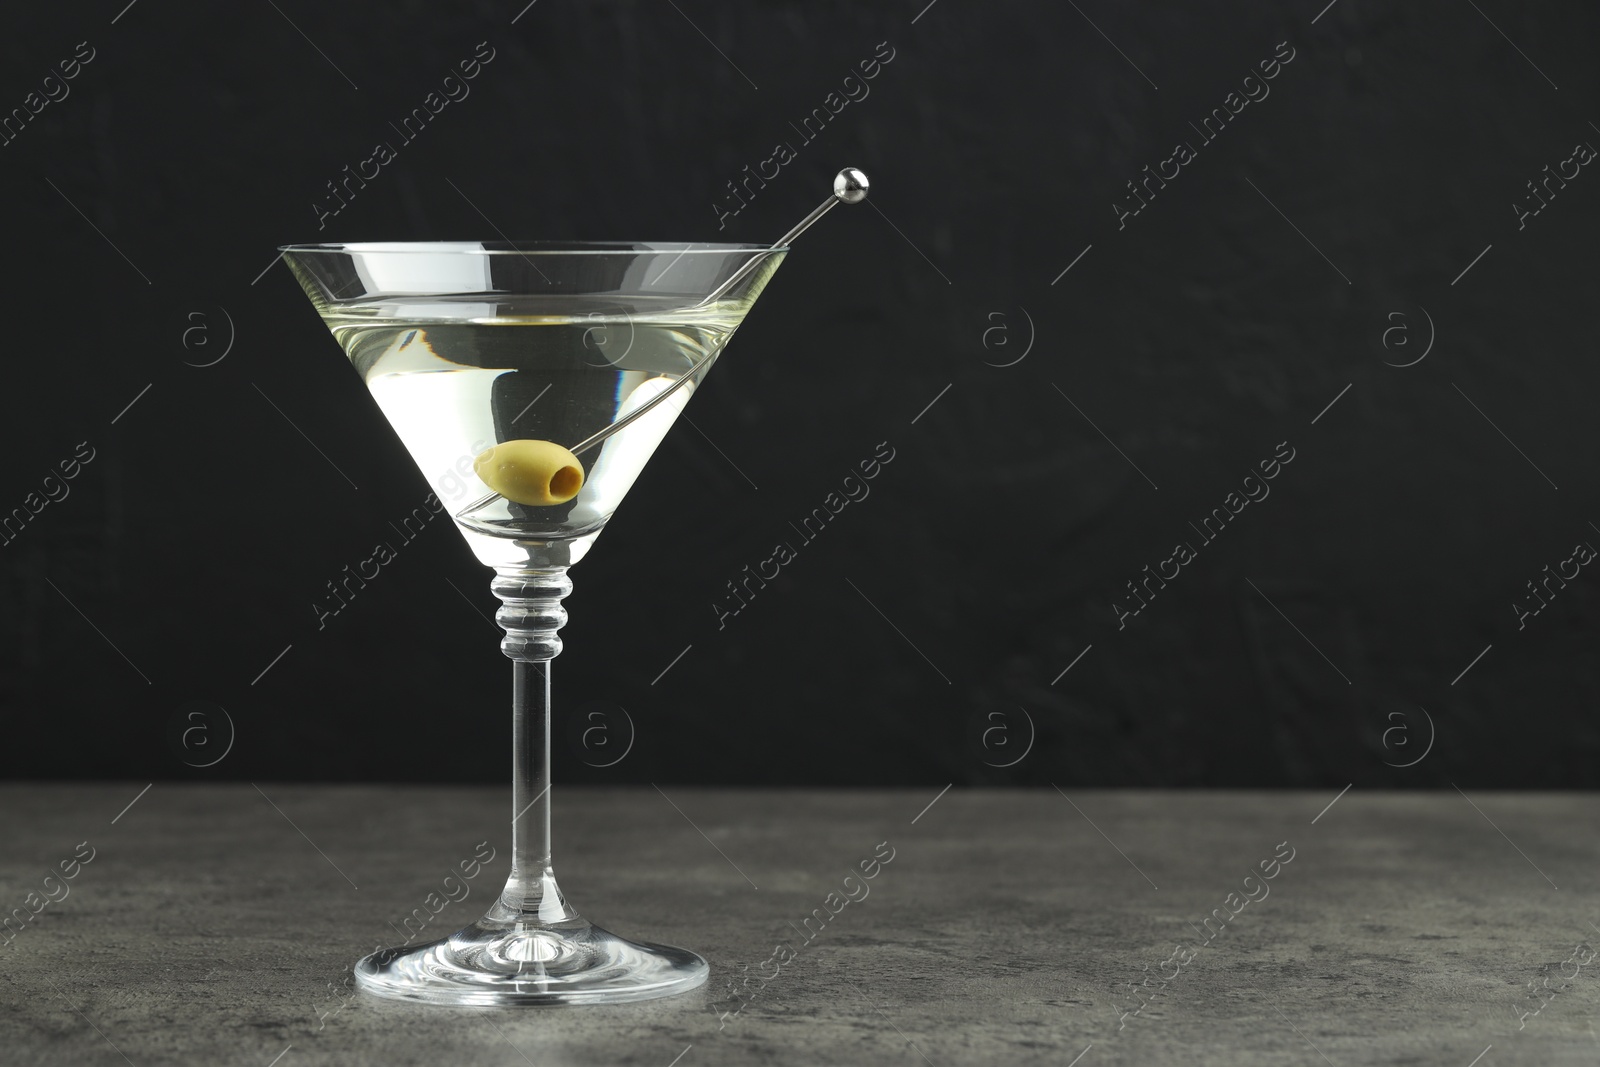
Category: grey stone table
<point>216,924</point>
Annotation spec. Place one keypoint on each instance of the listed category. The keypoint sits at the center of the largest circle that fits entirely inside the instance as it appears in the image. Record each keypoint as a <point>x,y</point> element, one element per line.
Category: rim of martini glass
<point>533,248</point>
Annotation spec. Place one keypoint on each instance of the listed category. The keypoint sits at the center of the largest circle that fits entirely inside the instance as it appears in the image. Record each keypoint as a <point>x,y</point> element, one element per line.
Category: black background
<point>1302,648</point>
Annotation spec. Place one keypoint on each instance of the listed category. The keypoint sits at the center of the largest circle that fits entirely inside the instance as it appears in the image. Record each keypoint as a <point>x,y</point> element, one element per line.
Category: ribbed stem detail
<point>531,612</point>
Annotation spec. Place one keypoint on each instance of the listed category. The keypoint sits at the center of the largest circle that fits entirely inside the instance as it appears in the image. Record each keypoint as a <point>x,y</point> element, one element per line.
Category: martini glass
<point>531,382</point>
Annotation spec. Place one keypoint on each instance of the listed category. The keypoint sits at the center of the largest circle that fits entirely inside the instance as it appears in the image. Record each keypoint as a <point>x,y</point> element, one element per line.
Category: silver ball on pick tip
<point>850,186</point>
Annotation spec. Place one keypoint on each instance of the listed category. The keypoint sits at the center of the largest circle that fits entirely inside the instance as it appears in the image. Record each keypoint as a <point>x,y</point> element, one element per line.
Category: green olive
<point>539,473</point>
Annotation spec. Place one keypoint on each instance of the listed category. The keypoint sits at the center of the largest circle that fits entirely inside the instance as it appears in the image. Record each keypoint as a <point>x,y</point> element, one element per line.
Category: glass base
<point>567,962</point>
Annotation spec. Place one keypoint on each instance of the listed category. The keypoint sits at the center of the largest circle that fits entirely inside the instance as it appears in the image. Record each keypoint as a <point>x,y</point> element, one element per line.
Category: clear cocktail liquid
<point>453,385</point>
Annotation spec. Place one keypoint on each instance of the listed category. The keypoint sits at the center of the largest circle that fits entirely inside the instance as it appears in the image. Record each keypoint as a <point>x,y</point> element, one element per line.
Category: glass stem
<point>531,614</point>
<point>530,770</point>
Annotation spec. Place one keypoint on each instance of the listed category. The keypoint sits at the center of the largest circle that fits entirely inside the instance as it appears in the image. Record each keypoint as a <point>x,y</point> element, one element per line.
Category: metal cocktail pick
<point>849,187</point>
